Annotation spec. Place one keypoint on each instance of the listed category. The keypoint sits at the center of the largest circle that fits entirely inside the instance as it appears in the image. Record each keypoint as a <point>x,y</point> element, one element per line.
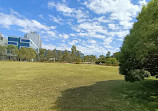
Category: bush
<point>136,75</point>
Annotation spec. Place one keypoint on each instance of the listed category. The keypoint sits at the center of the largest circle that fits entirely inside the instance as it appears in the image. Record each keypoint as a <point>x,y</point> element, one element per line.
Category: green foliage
<point>12,51</point>
<point>66,56</point>
<point>108,54</point>
<point>59,56</point>
<point>116,55</point>
<point>112,61</point>
<point>135,75</point>
<point>3,51</point>
<point>90,58</point>
<point>27,54</point>
<point>41,55</point>
<point>107,60</point>
<point>140,47</point>
<point>49,55</point>
<point>73,53</point>
<point>54,54</point>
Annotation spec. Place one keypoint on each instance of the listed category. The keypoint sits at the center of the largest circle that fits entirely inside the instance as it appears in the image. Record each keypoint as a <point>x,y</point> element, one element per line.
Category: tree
<point>116,55</point>
<point>12,51</point>
<point>112,61</point>
<point>54,54</point>
<point>108,54</point>
<point>30,54</point>
<point>101,59</point>
<point>78,57</point>
<point>3,51</point>
<point>86,58</point>
<point>140,47</point>
<point>42,54</point>
<point>48,55</point>
<point>22,54</point>
<point>73,53</point>
<point>66,56</point>
<point>59,56</point>
<point>27,54</point>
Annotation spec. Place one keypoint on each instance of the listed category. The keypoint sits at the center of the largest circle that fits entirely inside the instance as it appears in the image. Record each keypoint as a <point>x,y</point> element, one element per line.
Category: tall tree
<point>48,55</point>
<point>42,54</point>
<point>22,54</point>
<point>116,55</point>
<point>60,56</point>
<point>139,51</point>
<point>31,54</point>
<point>54,54</point>
<point>27,54</point>
<point>66,56</point>
<point>78,57</point>
<point>73,53</point>
<point>108,55</point>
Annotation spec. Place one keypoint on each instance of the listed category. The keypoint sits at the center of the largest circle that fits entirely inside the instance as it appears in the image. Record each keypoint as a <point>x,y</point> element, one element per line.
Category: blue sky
<point>94,26</point>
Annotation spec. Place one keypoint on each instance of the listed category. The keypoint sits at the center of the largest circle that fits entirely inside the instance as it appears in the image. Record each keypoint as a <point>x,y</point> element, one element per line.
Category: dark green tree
<point>116,55</point>
<point>139,51</point>
<point>108,55</point>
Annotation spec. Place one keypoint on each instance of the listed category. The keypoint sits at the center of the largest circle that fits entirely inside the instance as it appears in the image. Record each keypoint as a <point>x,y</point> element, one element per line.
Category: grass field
<point>26,86</point>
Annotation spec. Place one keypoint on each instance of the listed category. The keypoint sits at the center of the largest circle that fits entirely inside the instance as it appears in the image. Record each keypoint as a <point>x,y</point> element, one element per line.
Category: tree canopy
<point>140,47</point>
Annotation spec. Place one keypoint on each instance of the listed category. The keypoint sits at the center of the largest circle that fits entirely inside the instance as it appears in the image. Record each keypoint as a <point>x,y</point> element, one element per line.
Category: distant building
<point>35,38</point>
<point>20,42</point>
<point>3,41</point>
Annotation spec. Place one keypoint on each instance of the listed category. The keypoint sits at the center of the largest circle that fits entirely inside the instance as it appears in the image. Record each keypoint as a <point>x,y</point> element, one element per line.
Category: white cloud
<point>73,42</point>
<point>101,19</point>
<point>51,47</point>
<point>107,41</point>
<point>142,2</point>
<point>57,19</point>
<point>67,11</point>
<point>112,6</point>
<point>25,25</point>
<point>120,33</point>
<point>73,35</point>
<point>65,36</point>
<point>122,10</point>
<point>91,29</point>
<point>51,4</point>
<point>92,49</point>
<point>113,26</point>
<point>92,41</point>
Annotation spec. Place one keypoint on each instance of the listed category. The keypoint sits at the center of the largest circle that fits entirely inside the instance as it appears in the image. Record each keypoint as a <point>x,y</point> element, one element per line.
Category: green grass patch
<point>30,86</point>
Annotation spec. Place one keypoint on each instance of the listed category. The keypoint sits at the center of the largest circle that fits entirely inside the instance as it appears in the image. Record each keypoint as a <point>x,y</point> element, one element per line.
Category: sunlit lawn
<point>26,86</point>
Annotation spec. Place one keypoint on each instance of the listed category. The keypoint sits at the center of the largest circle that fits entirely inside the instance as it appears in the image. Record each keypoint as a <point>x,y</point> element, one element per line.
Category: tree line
<point>73,56</point>
<point>60,56</point>
<point>13,53</point>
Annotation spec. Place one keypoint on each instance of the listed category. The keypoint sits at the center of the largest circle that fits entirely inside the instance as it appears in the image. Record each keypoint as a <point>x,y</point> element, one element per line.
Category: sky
<point>93,26</point>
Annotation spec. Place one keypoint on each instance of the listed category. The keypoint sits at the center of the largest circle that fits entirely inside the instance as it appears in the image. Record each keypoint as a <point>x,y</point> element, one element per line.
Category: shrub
<point>136,75</point>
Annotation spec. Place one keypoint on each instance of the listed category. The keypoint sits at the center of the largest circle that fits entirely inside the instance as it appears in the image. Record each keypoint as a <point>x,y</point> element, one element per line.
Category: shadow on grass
<point>114,95</point>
